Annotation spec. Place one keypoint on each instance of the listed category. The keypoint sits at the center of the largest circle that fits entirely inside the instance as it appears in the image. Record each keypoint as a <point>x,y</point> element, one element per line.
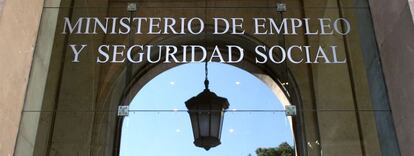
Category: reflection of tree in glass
<point>284,149</point>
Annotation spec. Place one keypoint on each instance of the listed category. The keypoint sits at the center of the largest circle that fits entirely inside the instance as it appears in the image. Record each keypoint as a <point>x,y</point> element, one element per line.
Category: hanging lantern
<point>206,112</point>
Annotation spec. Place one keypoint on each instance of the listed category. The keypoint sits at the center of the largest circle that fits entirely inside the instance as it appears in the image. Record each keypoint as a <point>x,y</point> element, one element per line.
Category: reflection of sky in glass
<point>170,133</point>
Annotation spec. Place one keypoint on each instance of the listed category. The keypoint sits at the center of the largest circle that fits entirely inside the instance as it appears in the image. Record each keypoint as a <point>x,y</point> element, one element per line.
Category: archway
<point>275,76</point>
<point>158,119</point>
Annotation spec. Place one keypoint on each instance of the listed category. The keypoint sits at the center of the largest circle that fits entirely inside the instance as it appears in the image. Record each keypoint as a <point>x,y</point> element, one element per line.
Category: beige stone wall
<point>394,28</point>
<point>18,28</point>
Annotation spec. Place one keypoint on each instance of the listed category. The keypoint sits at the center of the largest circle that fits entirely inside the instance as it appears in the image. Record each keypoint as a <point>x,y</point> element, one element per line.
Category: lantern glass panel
<point>215,123</point>
<point>221,124</point>
<point>194,123</point>
<point>204,124</point>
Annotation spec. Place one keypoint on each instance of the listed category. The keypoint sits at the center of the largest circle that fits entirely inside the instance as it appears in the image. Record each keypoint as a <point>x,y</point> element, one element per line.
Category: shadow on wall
<point>1,6</point>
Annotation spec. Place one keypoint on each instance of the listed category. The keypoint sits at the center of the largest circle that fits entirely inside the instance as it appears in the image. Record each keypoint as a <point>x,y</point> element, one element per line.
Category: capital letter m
<point>68,25</point>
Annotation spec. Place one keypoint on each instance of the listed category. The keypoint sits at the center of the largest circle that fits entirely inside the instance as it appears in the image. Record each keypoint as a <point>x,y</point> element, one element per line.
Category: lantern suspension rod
<point>206,82</point>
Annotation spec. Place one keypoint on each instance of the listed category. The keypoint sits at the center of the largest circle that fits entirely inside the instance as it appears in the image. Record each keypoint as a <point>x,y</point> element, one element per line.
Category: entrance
<point>158,119</point>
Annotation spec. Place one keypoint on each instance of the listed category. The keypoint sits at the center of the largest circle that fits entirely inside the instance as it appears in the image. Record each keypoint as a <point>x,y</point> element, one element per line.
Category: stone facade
<point>394,26</point>
<point>19,23</point>
<point>19,26</point>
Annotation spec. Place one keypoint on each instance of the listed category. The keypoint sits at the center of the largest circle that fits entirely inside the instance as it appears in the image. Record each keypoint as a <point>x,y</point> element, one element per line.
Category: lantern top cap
<point>207,97</point>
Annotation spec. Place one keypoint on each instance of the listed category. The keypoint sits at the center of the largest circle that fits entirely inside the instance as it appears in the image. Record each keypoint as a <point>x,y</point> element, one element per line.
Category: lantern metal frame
<point>206,111</point>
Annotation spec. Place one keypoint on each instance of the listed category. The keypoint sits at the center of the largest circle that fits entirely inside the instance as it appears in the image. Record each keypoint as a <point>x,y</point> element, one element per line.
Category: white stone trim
<point>411,4</point>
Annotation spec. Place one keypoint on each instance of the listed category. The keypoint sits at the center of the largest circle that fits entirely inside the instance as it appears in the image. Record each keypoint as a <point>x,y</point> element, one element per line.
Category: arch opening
<point>276,76</point>
<point>158,117</point>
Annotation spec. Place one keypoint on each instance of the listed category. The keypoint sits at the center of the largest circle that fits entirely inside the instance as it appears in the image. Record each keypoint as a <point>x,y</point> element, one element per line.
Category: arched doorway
<point>276,76</point>
<point>158,118</point>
